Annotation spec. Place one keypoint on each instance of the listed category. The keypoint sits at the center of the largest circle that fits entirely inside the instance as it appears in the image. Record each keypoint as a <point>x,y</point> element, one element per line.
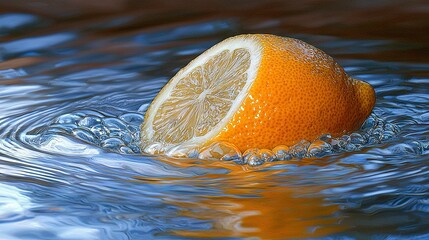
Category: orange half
<point>255,91</point>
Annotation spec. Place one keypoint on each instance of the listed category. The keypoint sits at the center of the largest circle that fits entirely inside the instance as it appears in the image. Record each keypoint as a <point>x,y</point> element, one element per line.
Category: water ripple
<point>74,91</point>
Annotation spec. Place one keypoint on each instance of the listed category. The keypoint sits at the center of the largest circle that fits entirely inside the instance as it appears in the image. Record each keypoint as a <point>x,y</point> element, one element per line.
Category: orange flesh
<point>202,98</point>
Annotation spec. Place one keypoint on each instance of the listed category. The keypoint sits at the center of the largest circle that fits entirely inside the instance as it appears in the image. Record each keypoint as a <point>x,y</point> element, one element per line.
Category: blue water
<point>73,92</point>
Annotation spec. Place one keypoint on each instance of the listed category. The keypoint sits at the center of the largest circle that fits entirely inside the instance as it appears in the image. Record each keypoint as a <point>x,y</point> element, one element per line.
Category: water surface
<point>76,78</point>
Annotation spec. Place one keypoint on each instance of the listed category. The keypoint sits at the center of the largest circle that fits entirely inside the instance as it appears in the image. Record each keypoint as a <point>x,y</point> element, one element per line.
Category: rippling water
<point>75,81</point>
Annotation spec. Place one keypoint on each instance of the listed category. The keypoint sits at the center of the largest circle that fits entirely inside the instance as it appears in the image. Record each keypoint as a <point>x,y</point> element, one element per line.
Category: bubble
<point>126,150</point>
<point>337,144</point>
<point>249,152</point>
<point>122,134</point>
<point>89,121</point>
<point>114,124</point>
<point>254,160</point>
<point>135,135</point>
<point>390,127</point>
<point>282,152</point>
<point>326,138</point>
<point>114,133</point>
<point>299,150</point>
<point>85,135</point>
<point>349,147</point>
<point>251,157</point>
<point>390,130</point>
<point>134,129</point>
<point>100,131</point>
<point>126,137</point>
<point>68,118</point>
<point>372,140</point>
<point>133,119</point>
<point>135,148</point>
<point>319,148</point>
<point>375,136</point>
<point>112,144</point>
<point>357,138</point>
<point>345,139</point>
<point>143,108</point>
<point>266,155</point>
<point>220,150</point>
<point>370,122</point>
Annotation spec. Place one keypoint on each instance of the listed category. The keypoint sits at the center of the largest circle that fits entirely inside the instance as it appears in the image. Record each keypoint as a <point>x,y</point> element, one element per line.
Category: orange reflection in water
<point>253,203</point>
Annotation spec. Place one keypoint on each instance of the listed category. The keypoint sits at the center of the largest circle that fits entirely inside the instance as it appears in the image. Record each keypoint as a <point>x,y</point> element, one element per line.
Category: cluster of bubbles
<point>121,134</point>
<point>374,130</point>
<point>116,134</point>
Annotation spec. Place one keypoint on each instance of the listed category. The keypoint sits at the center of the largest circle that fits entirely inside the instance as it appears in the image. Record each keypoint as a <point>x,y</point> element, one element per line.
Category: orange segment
<point>256,91</point>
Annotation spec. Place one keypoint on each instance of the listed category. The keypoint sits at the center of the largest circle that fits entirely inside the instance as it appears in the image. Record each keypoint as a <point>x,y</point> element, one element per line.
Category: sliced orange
<point>255,91</point>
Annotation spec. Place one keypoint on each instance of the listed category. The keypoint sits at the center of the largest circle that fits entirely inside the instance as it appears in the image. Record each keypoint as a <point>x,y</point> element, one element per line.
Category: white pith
<point>254,48</point>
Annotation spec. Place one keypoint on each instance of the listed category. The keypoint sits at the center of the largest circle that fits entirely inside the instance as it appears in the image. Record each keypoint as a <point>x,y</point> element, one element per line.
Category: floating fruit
<point>255,91</point>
